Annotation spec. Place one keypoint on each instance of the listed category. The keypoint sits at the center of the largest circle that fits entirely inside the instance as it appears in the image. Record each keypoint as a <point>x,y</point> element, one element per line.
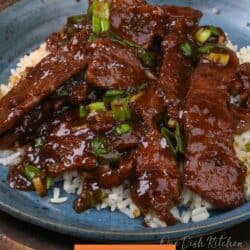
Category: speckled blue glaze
<point>22,28</point>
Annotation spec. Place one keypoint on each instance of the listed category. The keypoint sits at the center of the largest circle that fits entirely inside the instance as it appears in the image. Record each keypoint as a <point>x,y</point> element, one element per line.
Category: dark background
<point>41,239</point>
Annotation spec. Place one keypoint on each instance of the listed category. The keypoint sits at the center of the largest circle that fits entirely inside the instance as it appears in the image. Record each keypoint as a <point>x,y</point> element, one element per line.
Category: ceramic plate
<point>22,28</point>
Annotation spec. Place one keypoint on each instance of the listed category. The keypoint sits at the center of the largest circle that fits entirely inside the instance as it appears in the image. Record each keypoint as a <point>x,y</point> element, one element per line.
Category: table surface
<point>38,238</point>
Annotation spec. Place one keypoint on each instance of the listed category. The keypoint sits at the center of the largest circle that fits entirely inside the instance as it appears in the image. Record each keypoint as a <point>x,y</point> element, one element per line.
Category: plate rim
<point>154,235</point>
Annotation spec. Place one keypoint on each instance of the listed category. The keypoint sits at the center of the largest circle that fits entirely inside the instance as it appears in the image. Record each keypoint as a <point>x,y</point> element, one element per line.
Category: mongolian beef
<point>118,83</point>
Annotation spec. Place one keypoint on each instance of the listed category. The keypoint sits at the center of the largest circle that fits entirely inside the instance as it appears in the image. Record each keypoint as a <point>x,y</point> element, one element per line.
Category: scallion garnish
<point>100,16</point>
<point>38,142</point>
<point>82,111</point>
<point>49,182</point>
<point>123,129</point>
<point>96,106</point>
<point>120,109</point>
<point>186,49</point>
<point>218,58</point>
<point>112,93</point>
<point>215,31</point>
<point>203,34</point>
<point>98,146</point>
<point>31,172</point>
<point>147,58</point>
<point>174,139</point>
<point>205,49</point>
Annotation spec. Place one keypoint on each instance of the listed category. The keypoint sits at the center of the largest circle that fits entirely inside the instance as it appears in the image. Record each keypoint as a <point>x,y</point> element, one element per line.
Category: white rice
<point>118,198</point>
<point>56,197</point>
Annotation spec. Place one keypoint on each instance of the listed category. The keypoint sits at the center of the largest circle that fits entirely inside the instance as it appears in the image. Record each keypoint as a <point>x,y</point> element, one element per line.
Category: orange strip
<point>125,247</point>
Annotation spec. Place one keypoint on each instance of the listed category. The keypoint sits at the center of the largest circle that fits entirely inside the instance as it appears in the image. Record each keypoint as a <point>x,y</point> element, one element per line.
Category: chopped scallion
<point>82,111</point>
<point>174,139</point>
<point>205,49</point>
<point>123,129</point>
<point>215,31</point>
<point>97,106</point>
<point>186,49</point>
<point>100,16</point>
<point>98,146</point>
<point>38,142</point>
<point>203,34</point>
<point>111,93</point>
<point>120,109</point>
<point>147,58</point>
<point>31,172</point>
<point>221,59</point>
<point>49,182</point>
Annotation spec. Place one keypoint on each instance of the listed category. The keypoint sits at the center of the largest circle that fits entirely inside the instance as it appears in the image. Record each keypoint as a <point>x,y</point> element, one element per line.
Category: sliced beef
<point>138,23</point>
<point>182,19</point>
<point>36,122</point>
<point>141,23</point>
<point>74,24</point>
<point>156,186</point>
<point>239,88</point>
<point>211,166</point>
<point>176,67</point>
<point>68,146</point>
<point>41,80</point>
<point>175,71</point>
<point>112,66</point>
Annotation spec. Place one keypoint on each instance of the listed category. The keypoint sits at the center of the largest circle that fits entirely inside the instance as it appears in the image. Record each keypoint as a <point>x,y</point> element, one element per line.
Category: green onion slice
<point>203,34</point>
<point>215,31</point>
<point>206,49</point>
<point>31,172</point>
<point>100,16</point>
<point>49,182</point>
<point>120,109</point>
<point>38,142</point>
<point>147,58</point>
<point>123,129</point>
<point>218,58</point>
<point>111,93</point>
<point>97,106</point>
<point>174,139</point>
<point>98,146</point>
<point>186,49</point>
<point>82,111</point>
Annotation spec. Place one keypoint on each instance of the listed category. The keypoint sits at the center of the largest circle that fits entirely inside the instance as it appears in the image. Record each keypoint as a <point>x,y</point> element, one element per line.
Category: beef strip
<point>156,185</point>
<point>141,23</point>
<point>112,66</point>
<point>211,167</point>
<point>41,80</point>
<point>239,88</point>
<point>176,67</point>
<point>36,122</point>
<point>175,72</point>
<point>138,23</point>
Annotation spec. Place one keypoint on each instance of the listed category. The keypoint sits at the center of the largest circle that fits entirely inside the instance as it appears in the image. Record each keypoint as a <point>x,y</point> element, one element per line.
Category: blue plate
<point>23,27</point>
